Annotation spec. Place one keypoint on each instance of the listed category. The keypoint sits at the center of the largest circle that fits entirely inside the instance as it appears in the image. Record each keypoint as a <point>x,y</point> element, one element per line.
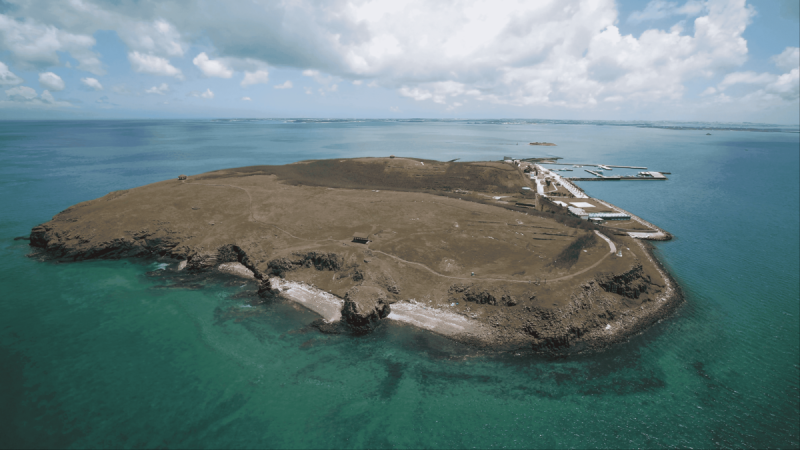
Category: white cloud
<point>36,45</point>
<point>120,89</point>
<point>207,94</point>
<point>285,85</point>
<point>789,59</point>
<point>153,65</point>
<point>745,78</point>
<point>394,109</point>
<point>51,81</point>
<point>92,83</point>
<point>7,77</point>
<point>328,82</point>
<point>247,99</point>
<point>155,37</point>
<point>24,96</point>
<point>48,97</point>
<point>257,77</point>
<point>211,68</point>
<point>549,53</point>
<point>21,93</point>
<point>357,82</point>
<point>770,89</point>
<point>162,89</point>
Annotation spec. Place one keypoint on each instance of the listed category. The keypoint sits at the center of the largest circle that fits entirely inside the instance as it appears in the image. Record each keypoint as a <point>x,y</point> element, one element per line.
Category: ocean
<point>95,354</point>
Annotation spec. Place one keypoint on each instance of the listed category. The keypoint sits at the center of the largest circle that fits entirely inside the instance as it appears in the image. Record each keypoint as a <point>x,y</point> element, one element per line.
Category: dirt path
<point>610,244</point>
<point>423,266</point>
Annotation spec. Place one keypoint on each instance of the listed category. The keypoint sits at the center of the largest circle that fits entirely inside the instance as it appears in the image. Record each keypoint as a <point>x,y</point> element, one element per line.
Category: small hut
<point>182,177</point>
<point>361,238</point>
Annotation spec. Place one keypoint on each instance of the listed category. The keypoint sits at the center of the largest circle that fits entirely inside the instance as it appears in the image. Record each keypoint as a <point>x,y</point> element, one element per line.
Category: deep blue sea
<point>94,355</point>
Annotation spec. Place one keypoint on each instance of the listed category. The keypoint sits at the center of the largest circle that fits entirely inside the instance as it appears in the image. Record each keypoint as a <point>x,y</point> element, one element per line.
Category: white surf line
<point>610,244</point>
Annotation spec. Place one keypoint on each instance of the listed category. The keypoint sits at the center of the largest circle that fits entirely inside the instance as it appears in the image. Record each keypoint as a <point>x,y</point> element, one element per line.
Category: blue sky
<point>727,61</point>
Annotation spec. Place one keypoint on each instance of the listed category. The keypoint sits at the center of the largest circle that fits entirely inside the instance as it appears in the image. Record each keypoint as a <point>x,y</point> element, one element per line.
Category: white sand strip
<point>433,319</point>
<point>237,269</point>
<point>323,303</point>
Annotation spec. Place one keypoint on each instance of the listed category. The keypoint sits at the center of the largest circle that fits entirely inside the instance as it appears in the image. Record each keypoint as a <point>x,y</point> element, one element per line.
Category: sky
<point>695,60</point>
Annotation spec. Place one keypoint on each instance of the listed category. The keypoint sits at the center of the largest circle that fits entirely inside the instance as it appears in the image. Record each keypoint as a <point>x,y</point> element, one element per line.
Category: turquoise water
<point>94,354</point>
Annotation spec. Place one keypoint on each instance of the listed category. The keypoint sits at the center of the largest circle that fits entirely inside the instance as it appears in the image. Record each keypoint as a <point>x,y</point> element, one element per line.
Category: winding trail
<point>610,244</point>
<point>423,266</point>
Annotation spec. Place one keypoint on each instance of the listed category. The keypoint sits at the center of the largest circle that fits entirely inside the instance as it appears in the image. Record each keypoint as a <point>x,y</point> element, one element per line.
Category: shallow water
<point>96,354</point>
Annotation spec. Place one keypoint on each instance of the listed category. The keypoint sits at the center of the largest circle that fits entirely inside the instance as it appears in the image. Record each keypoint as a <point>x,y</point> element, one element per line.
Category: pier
<point>602,166</point>
<point>562,193</point>
<point>617,179</point>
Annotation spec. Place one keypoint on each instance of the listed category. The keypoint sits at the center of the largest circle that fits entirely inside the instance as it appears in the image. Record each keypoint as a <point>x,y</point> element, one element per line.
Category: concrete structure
<point>651,175</point>
<point>609,216</point>
<point>579,212</point>
<point>361,238</point>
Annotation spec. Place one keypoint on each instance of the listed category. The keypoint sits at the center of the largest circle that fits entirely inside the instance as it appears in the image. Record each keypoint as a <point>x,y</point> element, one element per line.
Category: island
<point>479,252</point>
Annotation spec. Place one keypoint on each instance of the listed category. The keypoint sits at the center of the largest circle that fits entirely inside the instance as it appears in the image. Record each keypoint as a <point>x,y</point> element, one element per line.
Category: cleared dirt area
<point>437,240</point>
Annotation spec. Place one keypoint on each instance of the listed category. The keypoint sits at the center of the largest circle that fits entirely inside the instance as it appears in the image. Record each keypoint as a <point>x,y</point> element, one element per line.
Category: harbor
<point>553,191</point>
<point>600,169</point>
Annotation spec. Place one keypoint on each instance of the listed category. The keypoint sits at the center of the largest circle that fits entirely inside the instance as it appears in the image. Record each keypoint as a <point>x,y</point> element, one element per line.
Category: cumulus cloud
<point>328,82</point>
<point>157,37</point>
<point>92,83</point>
<point>7,77</point>
<point>745,78</point>
<point>162,89</point>
<point>21,93</point>
<point>36,45</point>
<point>153,65</point>
<point>770,87</point>
<point>247,99</point>
<point>257,77</point>
<point>51,81</point>
<point>210,67</point>
<point>207,94</point>
<point>24,96</point>
<point>563,53</point>
<point>285,85</point>
<point>789,59</point>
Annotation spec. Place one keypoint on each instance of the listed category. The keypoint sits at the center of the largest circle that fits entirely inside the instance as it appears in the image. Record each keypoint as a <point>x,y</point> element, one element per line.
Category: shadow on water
<point>17,404</point>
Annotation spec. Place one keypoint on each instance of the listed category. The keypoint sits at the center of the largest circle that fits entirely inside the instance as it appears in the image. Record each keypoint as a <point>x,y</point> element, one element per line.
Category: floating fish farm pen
<point>609,216</point>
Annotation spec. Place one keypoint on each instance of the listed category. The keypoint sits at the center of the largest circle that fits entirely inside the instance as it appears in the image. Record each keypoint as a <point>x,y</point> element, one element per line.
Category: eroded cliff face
<point>597,310</point>
<point>364,307</point>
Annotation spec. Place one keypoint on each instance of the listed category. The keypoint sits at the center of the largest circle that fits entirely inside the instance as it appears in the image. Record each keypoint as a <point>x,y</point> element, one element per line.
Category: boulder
<point>364,307</point>
<point>269,287</point>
